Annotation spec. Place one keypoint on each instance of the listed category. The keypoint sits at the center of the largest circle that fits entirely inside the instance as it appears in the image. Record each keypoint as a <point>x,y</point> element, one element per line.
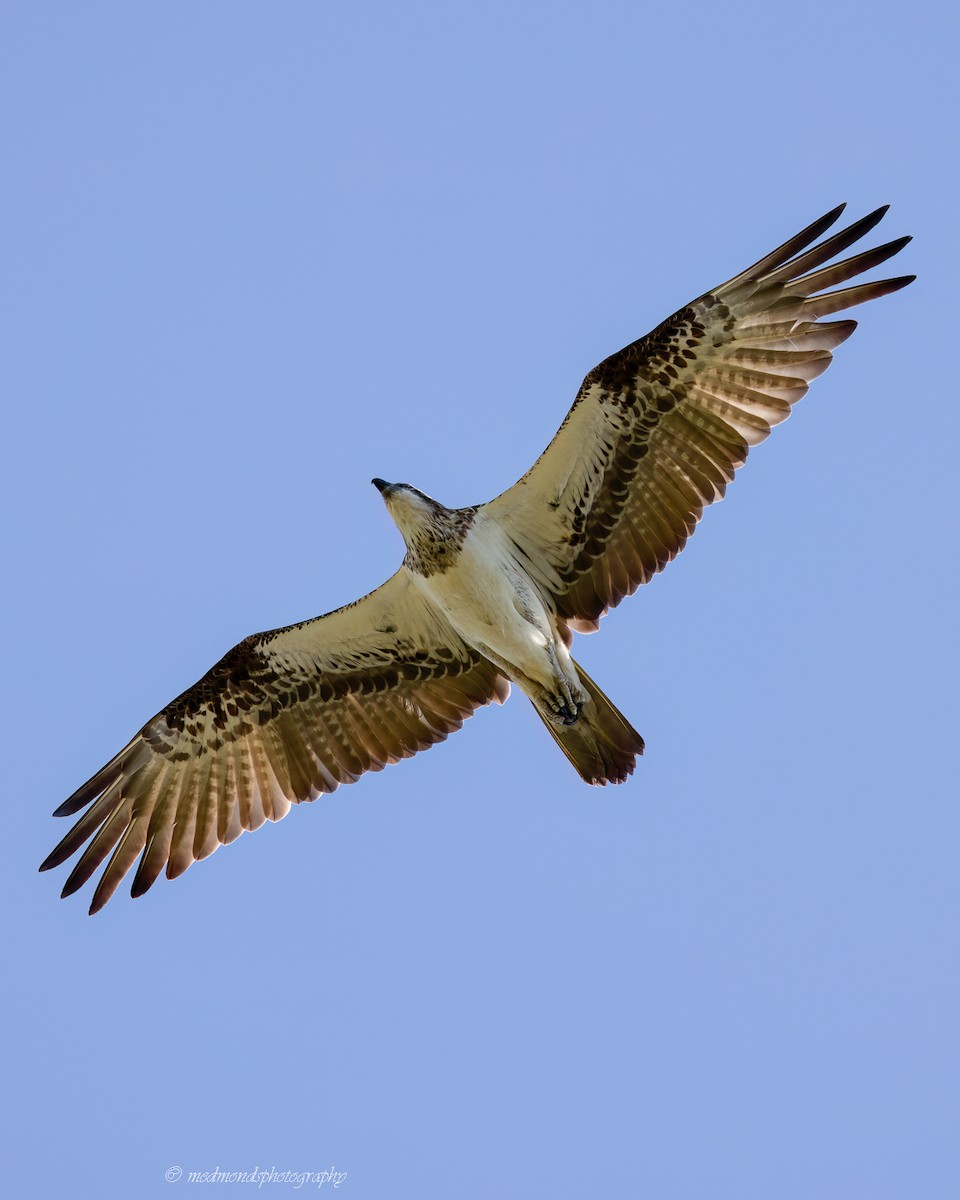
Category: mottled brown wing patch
<point>282,718</point>
<point>658,429</point>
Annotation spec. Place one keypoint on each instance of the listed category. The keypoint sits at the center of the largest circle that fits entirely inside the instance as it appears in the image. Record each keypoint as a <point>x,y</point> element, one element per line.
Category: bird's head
<point>412,511</point>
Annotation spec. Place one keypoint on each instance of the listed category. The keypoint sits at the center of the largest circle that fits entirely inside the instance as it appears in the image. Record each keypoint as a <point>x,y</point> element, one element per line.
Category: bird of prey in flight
<point>489,595</point>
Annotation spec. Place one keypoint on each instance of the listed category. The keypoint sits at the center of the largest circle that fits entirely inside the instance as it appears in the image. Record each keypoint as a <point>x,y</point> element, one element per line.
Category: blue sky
<point>258,254</point>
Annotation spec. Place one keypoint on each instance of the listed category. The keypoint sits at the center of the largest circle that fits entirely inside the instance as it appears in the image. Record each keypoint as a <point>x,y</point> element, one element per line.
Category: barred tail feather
<point>601,744</point>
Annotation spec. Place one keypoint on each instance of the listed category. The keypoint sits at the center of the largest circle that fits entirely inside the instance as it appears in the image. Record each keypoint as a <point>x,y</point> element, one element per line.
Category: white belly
<point>491,602</point>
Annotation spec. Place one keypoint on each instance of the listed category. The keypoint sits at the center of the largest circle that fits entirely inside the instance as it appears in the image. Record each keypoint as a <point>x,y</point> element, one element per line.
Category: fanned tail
<point>602,744</point>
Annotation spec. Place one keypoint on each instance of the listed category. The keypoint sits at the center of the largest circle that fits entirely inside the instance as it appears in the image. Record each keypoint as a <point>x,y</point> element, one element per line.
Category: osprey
<point>487,595</point>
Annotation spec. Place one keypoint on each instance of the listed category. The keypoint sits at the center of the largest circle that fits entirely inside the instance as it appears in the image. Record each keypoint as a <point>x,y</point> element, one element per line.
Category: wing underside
<point>658,430</point>
<point>283,718</point>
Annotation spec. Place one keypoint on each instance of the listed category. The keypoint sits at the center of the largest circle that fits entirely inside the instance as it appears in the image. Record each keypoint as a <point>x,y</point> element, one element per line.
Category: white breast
<point>493,604</point>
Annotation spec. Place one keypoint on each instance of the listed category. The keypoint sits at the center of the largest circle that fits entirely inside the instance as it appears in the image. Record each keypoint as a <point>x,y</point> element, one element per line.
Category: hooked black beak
<point>381,485</point>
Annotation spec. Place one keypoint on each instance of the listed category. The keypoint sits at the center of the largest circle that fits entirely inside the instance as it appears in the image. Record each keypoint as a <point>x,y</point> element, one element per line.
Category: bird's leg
<point>564,704</point>
<point>567,697</point>
<point>556,692</point>
<point>563,699</point>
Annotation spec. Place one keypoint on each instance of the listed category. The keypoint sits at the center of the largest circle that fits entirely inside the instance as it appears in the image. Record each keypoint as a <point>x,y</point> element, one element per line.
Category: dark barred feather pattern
<point>282,718</point>
<point>658,430</point>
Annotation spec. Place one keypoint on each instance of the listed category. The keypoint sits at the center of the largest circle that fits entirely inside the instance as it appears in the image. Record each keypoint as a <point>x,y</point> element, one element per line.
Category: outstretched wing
<point>282,718</point>
<point>657,430</point>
